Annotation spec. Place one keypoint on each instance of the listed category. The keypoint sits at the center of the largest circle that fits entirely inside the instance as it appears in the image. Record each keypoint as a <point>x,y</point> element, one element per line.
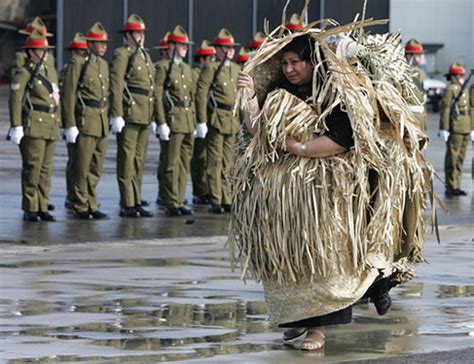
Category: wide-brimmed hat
<point>205,49</point>
<point>78,42</point>
<point>133,23</point>
<point>179,35</point>
<point>97,33</point>
<point>243,55</point>
<point>36,40</point>
<point>295,23</point>
<point>413,47</point>
<point>224,38</point>
<point>257,40</point>
<point>163,42</point>
<point>38,24</point>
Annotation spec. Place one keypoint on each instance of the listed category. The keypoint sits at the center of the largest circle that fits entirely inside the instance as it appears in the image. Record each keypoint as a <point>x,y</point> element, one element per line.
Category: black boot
<point>382,303</point>
<point>30,216</point>
<point>46,216</point>
<point>51,207</point>
<point>173,211</point>
<point>185,211</point>
<point>227,207</point>
<point>144,203</point>
<point>142,212</point>
<point>129,212</point>
<point>216,209</point>
<point>99,215</point>
<point>82,215</point>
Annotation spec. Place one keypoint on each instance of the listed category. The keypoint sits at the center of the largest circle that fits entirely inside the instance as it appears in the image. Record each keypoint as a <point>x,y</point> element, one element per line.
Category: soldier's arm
<point>159,109</point>
<point>446,108</point>
<point>202,93</point>
<point>118,67</point>
<point>17,91</point>
<point>69,93</point>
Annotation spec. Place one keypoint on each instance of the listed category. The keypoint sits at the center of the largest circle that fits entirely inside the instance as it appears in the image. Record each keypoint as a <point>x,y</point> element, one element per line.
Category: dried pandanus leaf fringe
<point>297,219</point>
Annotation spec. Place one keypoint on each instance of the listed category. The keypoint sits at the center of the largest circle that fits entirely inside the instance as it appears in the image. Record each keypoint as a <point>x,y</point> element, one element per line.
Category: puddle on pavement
<point>150,309</point>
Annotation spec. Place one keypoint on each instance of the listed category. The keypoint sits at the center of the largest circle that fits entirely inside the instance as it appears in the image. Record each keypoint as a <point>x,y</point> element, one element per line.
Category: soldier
<point>242,57</point>
<point>215,98</point>
<point>416,99</point>
<point>35,122</point>
<point>78,49</point>
<point>202,56</point>
<point>21,57</point>
<point>163,46</point>
<point>131,89</point>
<point>456,126</point>
<point>295,24</point>
<point>86,122</point>
<point>257,41</point>
<point>174,114</point>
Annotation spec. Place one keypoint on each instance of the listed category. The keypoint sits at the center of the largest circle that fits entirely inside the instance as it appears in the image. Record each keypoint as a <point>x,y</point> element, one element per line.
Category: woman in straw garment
<point>328,179</point>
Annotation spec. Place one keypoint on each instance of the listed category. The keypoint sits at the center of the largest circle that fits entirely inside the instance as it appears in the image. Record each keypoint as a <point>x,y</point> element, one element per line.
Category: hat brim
<point>121,31</point>
<point>160,47</point>
<point>24,32</point>
<point>225,45</point>
<point>98,40</point>
<point>48,47</point>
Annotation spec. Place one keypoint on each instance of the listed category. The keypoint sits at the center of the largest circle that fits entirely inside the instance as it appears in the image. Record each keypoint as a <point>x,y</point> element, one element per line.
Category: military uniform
<point>174,107</point>
<point>214,106</point>
<point>199,159</point>
<point>460,129</point>
<point>417,95</point>
<point>132,100</point>
<point>40,128</point>
<point>85,106</point>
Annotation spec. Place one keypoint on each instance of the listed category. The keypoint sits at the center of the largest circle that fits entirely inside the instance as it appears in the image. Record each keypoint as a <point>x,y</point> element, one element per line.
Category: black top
<point>338,124</point>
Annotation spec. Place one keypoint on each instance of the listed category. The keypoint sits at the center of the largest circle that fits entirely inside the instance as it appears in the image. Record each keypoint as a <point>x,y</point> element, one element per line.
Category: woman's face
<point>296,71</point>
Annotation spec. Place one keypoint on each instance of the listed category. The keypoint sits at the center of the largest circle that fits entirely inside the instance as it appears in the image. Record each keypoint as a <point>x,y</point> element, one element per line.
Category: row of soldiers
<point>191,111</point>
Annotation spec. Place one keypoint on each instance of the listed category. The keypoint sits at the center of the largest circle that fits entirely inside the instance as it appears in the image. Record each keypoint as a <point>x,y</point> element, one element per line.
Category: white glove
<point>444,135</point>
<point>154,127</point>
<point>201,130</point>
<point>16,134</point>
<point>164,131</point>
<point>71,134</point>
<point>117,124</point>
<point>472,136</point>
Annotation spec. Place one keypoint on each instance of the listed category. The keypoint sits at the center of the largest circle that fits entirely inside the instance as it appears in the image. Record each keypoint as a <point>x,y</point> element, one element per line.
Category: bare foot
<point>314,339</point>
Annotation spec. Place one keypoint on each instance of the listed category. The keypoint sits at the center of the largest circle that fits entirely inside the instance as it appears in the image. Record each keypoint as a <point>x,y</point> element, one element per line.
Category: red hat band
<point>457,71</point>
<point>255,44</point>
<point>41,43</point>
<point>414,48</point>
<point>224,41</point>
<point>77,45</point>
<point>97,36</point>
<point>30,30</point>
<point>204,52</point>
<point>163,43</point>
<point>177,38</point>
<point>294,27</point>
<point>242,58</point>
<point>133,26</point>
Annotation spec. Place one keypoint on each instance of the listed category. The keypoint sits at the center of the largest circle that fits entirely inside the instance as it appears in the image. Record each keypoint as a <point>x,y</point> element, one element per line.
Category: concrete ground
<point>161,289</point>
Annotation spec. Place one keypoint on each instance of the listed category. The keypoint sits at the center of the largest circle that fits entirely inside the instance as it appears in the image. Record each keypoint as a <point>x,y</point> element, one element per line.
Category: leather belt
<point>185,103</point>
<point>95,104</point>
<point>224,106</point>
<point>44,108</point>
<point>140,91</point>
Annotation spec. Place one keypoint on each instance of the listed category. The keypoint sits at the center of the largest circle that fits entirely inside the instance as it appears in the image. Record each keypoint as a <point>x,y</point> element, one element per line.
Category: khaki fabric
<point>456,149</point>
<point>161,168</point>
<point>86,170</point>
<point>21,58</point>
<point>198,168</point>
<point>37,167</point>
<point>463,124</point>
<point>132,145</point>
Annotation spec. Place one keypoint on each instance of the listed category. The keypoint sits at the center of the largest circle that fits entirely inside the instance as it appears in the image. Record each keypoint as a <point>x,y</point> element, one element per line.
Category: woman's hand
<point>292,146</point>
<point>244,80</point>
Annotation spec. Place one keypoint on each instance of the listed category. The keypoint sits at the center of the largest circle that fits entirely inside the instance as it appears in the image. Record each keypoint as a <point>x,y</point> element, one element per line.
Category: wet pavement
<point>161,289</point>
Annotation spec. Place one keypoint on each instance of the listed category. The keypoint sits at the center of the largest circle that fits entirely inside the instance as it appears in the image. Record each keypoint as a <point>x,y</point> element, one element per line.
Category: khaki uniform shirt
<point>463,123</point>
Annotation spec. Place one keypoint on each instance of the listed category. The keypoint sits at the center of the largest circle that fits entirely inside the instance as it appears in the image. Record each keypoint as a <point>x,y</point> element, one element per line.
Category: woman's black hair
<point>303,46</point>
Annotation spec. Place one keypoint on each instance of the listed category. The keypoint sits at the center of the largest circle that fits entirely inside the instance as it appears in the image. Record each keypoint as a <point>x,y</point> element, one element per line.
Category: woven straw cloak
<point>317,232</point>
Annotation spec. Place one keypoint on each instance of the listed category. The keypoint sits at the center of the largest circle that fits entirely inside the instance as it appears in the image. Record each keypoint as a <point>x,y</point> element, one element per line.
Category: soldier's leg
<point>126,148</point>
<point>452,155</point>
<point>229,142</point>
<point>85,145</point>
<point>70,154</point>
<point>185,165</point>
<point>95,171</point>
<point>462,143</point>
<point>32,153</point>
<point>198,168</point>
<point>171,174</point>
<point>140,157</point>
<point>44,185</point>
<point>215,141</point>
<point>161,168</point>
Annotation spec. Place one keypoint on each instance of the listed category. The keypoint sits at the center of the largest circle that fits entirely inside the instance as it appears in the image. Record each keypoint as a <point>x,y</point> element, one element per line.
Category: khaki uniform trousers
<point>37,167</point>
<point>176,163</point>
<point>161,169</point>
<point>132,145</point>
<point>456,148</point>
<point>86,169</point>
<point>70,154</point>
<point>219,153</point>
<point>198,168</point>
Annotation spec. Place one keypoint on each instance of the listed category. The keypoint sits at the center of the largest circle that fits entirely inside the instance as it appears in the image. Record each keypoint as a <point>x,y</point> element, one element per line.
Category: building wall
<point>438,21</point>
